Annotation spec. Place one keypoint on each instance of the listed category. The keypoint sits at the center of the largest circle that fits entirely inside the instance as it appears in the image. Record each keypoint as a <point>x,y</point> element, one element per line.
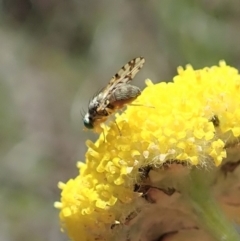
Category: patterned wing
<point>123,76</point>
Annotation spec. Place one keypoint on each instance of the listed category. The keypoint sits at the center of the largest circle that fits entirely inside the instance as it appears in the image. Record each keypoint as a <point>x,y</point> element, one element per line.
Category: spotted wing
<point>123,76</point>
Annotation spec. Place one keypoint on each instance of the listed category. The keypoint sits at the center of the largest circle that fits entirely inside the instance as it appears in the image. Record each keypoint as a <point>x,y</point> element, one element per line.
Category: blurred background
<point>54,55</point>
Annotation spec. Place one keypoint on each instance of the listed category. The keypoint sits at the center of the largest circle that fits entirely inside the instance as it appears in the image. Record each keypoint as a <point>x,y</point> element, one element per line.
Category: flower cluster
<point>190,120</point>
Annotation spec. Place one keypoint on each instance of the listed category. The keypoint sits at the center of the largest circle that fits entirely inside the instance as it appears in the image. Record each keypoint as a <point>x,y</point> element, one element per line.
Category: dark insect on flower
<point>115,96</point>
<point>215,121</point>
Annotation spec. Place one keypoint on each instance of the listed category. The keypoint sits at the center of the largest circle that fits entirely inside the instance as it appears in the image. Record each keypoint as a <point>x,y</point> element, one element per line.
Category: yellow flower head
<point>190,120</point>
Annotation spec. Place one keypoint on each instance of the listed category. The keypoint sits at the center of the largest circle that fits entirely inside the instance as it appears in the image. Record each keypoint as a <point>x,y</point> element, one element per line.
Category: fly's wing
<point>123,76</point>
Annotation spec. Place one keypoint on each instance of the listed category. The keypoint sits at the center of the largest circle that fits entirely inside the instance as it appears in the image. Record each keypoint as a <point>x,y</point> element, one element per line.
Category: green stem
<point>206,208</point>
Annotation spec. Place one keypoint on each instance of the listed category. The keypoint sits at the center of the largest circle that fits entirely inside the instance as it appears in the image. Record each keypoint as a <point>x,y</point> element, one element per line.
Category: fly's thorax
<point>93,104</point>
<point>97,113</point>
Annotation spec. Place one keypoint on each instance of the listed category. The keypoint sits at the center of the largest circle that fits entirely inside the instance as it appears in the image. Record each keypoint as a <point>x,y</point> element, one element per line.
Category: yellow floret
<point>172,121</point>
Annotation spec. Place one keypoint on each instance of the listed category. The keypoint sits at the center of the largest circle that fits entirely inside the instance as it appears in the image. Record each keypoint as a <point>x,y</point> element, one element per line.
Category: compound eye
<point>88,123</point>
